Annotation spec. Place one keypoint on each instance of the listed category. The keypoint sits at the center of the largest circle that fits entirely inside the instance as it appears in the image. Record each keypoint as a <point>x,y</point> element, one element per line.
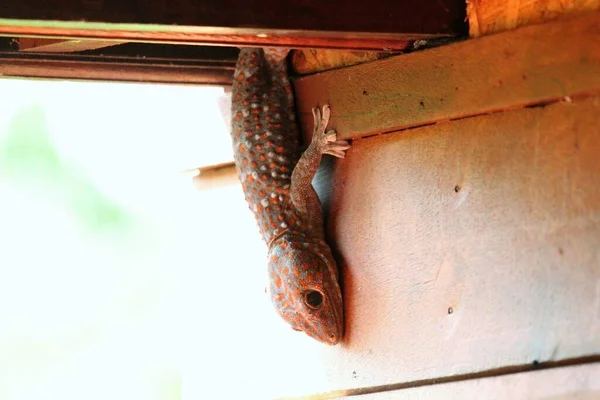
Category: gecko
<point>276,178</point>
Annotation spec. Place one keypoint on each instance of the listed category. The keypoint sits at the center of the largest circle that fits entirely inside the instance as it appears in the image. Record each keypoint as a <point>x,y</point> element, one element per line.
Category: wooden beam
<point>527,66</point>
<point>493,16</point>
<point>574,382</point>
<point>113,69</point>
<point>379,24</point>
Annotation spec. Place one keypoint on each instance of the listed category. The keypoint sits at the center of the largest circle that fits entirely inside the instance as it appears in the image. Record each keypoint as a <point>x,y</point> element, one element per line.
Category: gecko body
<point>277,182</point>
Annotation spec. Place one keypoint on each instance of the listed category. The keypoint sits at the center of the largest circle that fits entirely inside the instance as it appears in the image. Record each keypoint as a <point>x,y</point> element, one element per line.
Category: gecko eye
<point>313,299</point>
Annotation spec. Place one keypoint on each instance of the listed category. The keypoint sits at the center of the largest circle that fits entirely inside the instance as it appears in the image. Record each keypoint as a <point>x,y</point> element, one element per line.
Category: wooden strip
<point>238,37</point>
<point>120,71</point>
<point>216,176</point>
<point>466,246</point>
<point>576,382</point>
<point>429,17</point>
<point>526,66</point>
<point>493,16</point>
<point>36,45</point>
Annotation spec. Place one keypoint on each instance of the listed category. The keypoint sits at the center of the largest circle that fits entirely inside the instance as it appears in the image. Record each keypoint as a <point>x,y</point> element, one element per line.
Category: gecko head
<point>304,288</point>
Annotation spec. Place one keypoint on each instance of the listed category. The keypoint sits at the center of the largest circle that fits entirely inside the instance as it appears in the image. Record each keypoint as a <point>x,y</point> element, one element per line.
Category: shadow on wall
<point>29,159</point>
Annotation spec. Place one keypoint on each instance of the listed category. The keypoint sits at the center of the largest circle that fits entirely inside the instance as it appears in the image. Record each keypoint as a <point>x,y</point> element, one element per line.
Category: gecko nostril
<point>313,299</point>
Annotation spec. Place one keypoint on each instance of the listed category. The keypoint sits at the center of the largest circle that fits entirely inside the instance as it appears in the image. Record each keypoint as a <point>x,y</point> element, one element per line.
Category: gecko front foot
<point>327,142</point>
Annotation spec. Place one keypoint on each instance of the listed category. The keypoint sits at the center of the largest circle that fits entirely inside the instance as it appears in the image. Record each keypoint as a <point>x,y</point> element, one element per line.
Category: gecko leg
<point>302,193</point>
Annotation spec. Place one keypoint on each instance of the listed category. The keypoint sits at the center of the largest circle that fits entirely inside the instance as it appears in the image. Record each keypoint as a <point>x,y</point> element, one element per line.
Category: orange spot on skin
<point>279,296</point>
<point>273,200</point>
<point>280,217</point>
<point>238,116</point>
<point>278,281</point>
<point>283,168</point>
<point>246,102</point>
<point>264,177</point>
<point>286,271</point>
<point>249,178</point>
<point>259,208</point>
<point>258,127</point>
<point>284,245</point>
<point>273,225</point>
<point>261,193</point>
<point>267,117</point>
<point>258,147</point>
<point>279,149</point>
<point>253,164</point>
<point>244,162</point>
<point>262,158</point>
<point>274,258</point>
<point>238,97</point>
<point>246,123</point>
<point>248,134</point>
<point>255,111</point>
<point>272,165</point>
<point>297,276</point>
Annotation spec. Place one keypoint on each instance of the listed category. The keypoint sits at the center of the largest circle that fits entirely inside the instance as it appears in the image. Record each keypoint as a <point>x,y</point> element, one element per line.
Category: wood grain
<point>579,382</point>
<point>312,60</point>
<point>468,246</point>
<point>530,65</point>
<point>493,16</point>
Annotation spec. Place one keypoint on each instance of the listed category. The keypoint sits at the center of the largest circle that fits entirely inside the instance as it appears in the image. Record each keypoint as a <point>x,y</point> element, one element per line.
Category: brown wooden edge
<point>48,66</point>
<point>228,37</point>
<point>523,67</point>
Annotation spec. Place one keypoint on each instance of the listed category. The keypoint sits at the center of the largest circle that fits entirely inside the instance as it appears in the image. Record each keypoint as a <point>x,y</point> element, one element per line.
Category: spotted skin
<point>277,181</point>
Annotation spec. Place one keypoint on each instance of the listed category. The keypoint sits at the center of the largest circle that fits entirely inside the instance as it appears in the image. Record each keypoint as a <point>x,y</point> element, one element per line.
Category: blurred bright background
<point>118,278</point>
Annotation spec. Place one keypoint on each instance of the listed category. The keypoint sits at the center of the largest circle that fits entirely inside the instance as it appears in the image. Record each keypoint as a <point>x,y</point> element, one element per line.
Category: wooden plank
<point>113,69</point>
<point>581,382</point>
<point>386,16</point>
<point>468,246</point>
<point>493,16</point>
<point>38,45</point>
<point>517,68</point>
